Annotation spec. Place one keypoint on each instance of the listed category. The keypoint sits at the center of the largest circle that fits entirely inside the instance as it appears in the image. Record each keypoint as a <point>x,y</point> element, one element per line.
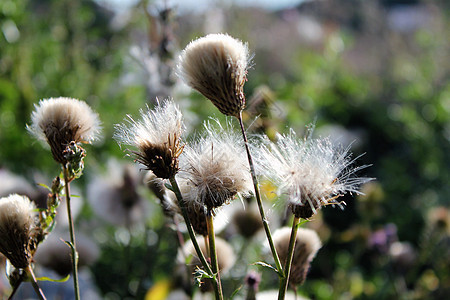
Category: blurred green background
<point>375,73</point>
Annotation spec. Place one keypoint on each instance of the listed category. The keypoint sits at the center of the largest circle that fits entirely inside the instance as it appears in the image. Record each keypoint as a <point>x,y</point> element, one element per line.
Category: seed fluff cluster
<point>157,136</point>
<point>215,168</point>
<point>59,121</point>
<point>16,224</point>
<point>312,172</point>
<point>216,66</point>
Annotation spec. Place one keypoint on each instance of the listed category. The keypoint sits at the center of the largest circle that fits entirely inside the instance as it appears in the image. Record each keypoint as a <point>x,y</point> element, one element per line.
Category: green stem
<point>182,205</point>
<point>35,284</point>
<point>258,200</point>
<point>72,234</point>
<point>287,266</point>
<point>213,254</point>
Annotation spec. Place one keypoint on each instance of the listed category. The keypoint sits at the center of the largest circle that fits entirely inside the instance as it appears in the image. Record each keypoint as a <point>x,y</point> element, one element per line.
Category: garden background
<point>373,74</point>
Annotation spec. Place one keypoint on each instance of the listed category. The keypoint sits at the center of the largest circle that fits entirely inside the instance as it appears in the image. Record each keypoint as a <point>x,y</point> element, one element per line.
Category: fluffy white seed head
<point>312,172</point>
<point>307,244</point>
<point>157,136</point>
<point>215,168</point>
<point>216,66</point>
<point>59,121</point>
<point>16,223</point>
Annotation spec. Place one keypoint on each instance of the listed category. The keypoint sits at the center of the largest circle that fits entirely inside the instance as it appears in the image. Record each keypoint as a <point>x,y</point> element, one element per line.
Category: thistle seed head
<point>16,224</point>
<point>216,66</point>
<point>157,136</point>
<point>215,168</point>
<point>311,172</point>
<point>59,121</point>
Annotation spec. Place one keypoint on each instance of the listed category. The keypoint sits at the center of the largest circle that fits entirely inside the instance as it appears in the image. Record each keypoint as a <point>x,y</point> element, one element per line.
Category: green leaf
<point>53,280</point>
<point>45,186</point>
<point>266,265</point>
<point>236,291</point>
<point>200,274</point>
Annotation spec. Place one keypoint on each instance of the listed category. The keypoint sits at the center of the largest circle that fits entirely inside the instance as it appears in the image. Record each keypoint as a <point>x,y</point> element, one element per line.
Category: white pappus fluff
<point>215,167</point>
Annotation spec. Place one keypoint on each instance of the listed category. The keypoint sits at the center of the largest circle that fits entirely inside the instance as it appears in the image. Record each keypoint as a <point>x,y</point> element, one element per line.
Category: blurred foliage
<point>388,88</point>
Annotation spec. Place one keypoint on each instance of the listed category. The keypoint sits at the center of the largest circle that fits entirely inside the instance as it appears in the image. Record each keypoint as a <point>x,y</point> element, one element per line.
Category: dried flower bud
<point>157,136</point>
<point>306,246</point>
<point>216,66</point>
<point>16,224</point>
<point>59,121</point>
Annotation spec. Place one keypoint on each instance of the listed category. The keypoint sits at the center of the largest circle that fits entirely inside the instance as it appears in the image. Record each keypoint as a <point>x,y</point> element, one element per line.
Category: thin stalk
<point>182,205</point>
<point>287,266</point>
<point>258,200</point>
<point>213,253</point>
<point>35,285</point>
<point>72,234</point>
<point>16,288</point>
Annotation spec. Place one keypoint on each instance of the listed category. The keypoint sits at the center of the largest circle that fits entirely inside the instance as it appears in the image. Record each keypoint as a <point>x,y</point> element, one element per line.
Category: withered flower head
<point>306,246</point>
<point>16,224</point>
<point>215,168</point>
<point>59,121</point>
<point>157,136</point>
<point>312,172</point>
<point>216,66</point>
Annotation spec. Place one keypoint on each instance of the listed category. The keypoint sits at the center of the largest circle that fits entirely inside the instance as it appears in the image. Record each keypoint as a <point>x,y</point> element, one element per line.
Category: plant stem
<point>182,205</point>
<point>258,200</point>
<point>72,234</point>
<point>213,253</point>
<point>35,284</point>
<point>287,266</point>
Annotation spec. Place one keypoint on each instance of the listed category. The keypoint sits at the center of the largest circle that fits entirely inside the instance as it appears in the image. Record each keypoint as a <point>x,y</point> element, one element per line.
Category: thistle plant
<point>157,138</point>
<point>216,65</point>
<point>64,123</point>
<point>214,174</point>
<point>310,173</point>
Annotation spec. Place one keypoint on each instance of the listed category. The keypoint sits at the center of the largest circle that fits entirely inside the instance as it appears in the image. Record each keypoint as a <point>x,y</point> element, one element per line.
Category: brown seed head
<point>216,66</point>
<point>16,224</point>
<point>59,121</point>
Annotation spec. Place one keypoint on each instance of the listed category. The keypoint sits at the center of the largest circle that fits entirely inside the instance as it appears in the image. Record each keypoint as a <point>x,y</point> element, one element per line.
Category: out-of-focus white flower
<point>307,244</point>
<point>54,254</point>
<point>115,197</point>
<point>312,172</point>
<point>215,168</point>
<point>16,223</point>
<point>273,294</point>
<point>59,121</point>
<point>216,66</point>
<point>157,136</point>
